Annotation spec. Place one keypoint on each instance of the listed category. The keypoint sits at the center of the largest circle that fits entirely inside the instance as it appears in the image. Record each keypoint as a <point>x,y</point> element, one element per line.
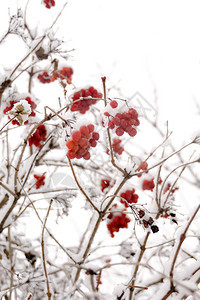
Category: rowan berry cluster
<point>64,73</point>
<point>117,147</point>
<point>168,188</point>
<point>148,184</point>
<point>142,167</point>
<point>40,180</point>
<point>44,77</point>
<point>32,104</point>
<point>123,122</point>
<point>38,136</point>
<point>49,3</point>
<point>81,141</point>
<point>84,98</point>
<point>117,220</point>
<point>129,196</point>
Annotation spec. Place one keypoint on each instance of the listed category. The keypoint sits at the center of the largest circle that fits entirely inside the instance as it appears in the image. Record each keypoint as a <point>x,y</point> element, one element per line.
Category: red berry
<point>118,115</point>
<point>90,127</point>
<point>143,167</point>
<point>137,122</point>
<point>104,184</point>
<point>120,151</point>
<point>74,107</point>
<point>93,143</point>
<point>83,143</point>
<point>119,131</point>
<point>132,132</point>
<point>95,136</point>
<point>113,104</point>
<point>71,154</point>
<point>124,124</point>
<point>76,136</point>
<point>116,146</point>
<point>111,125</point>
<point>116,120</point>
<point>70,144</point>
<point>84,131</point>
<point>87,156</point>
<point>128,195</point>
<point>49,3</point>
<point>40,180</point>
<point>82,151</point>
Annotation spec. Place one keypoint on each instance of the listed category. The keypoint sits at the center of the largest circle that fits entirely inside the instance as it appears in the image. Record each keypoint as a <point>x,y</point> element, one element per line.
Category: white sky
<point>144,44</point>
<point>138,45</point>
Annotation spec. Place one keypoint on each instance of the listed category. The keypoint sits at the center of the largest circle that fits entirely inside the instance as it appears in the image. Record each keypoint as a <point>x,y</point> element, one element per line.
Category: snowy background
<point>141,46</point>
<point>147,47</point>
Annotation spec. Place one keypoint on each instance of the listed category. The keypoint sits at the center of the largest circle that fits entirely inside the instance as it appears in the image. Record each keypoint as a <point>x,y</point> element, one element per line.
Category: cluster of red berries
<point>44,77</point>
<point>117,221</point>
<point>81,104</point>
<point>49,3</point>
<point>12,103</point>
<point>148,184</point>
<point>38,136</point>
<point>64,73</point>
<point>168,187</point>
<point>123,121</point>
<point>147,221</point>
<point>81,141</point>
<point>142,167</point>
<point>117,147</point>
<point>40,180</point>
<point>129,196</point>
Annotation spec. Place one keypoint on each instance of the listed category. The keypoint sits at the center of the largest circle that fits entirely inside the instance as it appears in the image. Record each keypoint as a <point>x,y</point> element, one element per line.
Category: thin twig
<point>108,131</point>
<point>181,240</point>
<point>96,226</point>
<point>11,263</point>
<point>50,234</point>
<point>142,250</point>
<point>43,253</point>
<point>80,187</point>
<point>179,175</point>
<point>9,121</point>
